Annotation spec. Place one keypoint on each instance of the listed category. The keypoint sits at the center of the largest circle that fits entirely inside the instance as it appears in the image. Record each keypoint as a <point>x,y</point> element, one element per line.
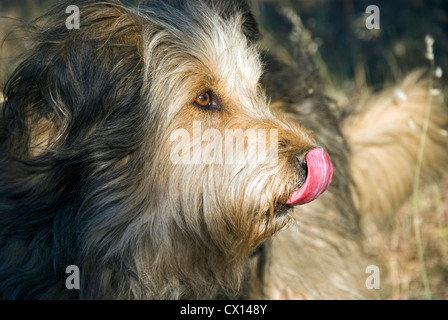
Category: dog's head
<point>224,161</point>
<point>155,120</point>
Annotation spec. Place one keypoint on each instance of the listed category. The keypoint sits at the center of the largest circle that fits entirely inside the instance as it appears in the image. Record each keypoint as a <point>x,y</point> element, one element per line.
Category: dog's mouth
<point>319,176</point>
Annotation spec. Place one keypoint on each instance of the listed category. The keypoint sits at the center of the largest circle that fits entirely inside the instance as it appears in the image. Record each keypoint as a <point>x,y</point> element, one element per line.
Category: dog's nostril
<point>300,159</point>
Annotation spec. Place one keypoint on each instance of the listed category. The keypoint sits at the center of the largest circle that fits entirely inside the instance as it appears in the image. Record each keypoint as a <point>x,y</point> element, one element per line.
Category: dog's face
<point>226,162</point>
<point>159,114</point>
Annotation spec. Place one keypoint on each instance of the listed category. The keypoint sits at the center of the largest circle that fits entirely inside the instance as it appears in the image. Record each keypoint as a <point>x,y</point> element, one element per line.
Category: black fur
<point>94,97</point>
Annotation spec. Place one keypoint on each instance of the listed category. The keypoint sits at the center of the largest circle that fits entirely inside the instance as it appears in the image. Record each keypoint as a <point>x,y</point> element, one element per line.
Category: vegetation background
<point>351,60</point>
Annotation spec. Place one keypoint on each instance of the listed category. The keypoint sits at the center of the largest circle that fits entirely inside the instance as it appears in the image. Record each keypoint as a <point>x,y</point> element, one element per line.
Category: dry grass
<point>398,247</point>
<point>10,48</point>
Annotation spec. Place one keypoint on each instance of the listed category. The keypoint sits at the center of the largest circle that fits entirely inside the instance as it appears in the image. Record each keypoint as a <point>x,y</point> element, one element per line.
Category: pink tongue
<point>320,173</point>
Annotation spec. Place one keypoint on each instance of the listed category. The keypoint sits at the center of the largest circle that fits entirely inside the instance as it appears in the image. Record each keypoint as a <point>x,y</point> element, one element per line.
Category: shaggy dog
<point>163,154</point>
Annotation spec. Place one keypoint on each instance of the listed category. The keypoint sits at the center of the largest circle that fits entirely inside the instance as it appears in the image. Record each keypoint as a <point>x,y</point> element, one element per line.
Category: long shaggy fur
<point>87,179</point>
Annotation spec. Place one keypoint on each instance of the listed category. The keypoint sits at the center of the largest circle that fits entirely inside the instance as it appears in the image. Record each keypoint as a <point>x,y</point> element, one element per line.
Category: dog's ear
<point>75,81</point>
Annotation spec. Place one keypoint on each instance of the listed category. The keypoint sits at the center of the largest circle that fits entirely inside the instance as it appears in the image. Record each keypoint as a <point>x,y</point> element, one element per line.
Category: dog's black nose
<point>300,159</point>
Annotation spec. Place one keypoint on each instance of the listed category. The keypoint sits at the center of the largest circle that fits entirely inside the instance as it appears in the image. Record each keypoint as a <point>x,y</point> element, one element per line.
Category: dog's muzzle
<point>319,174</point>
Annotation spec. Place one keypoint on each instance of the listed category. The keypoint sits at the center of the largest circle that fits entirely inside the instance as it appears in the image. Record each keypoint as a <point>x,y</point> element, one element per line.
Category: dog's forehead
<point>201,37</point>
<point>225,9</point>
<point>227,53</point>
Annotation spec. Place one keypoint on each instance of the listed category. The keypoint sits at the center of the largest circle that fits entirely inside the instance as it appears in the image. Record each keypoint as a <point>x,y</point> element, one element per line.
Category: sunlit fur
<point>86,137</point>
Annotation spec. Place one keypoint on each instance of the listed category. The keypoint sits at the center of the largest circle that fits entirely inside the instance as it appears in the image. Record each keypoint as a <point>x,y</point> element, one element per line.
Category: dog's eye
<point>207,101</point>
<point>204,100</point>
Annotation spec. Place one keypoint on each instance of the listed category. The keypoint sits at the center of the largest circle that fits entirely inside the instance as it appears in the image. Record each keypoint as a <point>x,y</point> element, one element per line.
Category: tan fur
<point>42,136</point>
<point>385,133</point>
